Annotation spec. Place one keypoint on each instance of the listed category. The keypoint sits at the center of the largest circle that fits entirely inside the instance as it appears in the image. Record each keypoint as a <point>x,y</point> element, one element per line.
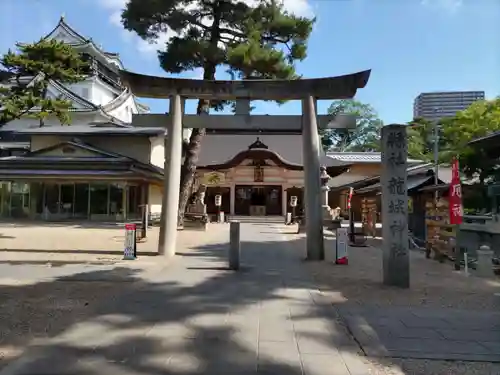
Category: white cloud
<point>450,6</point>
<point>114,7</point>
<point>298,7</point>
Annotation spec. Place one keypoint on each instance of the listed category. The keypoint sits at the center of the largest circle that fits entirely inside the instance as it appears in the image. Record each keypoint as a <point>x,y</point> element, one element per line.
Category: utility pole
<point>436,153</point>
<point>436,166</point>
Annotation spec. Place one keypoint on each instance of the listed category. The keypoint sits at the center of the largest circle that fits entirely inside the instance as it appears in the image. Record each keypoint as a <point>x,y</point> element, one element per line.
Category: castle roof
<point>63,31</point>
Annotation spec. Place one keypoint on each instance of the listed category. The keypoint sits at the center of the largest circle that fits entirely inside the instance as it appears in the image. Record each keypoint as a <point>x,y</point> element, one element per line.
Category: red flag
<point>351,191</point>
<point>455,196</point>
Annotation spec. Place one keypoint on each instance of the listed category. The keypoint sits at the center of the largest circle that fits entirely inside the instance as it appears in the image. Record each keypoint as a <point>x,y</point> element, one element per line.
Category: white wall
<point>101,95</point>
<point>83,89</point>
<point>124,112</point>
<point>157,155</point>
<point>155,199</point>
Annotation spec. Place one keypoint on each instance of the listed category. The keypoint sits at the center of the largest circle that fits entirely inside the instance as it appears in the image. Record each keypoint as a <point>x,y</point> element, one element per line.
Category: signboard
<point>341,241</point>
<point>130,249</point>
<point>455,195</point>
<point>293,201</point>
<point>214,178</point>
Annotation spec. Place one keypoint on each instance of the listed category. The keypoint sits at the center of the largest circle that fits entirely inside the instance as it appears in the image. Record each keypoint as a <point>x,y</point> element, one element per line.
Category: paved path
<point>446,334</point>
<point>195,317</point>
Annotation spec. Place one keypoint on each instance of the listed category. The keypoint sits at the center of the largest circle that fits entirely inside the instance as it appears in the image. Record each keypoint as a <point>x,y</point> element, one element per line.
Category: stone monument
<point>196,212</point>
<point>396,257</point>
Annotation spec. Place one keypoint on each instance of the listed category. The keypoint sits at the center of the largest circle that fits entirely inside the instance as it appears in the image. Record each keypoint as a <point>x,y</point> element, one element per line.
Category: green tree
<point>364,137</point>
<point>27,73</point>
<point>421,134</point>
<point>480,119</point>
<point>420,139</point>
<point>259,41</point>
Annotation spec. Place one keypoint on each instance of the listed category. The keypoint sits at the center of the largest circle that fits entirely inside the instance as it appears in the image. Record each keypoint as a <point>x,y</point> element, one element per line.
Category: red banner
<point>455,196</point>
<point>349,198</point>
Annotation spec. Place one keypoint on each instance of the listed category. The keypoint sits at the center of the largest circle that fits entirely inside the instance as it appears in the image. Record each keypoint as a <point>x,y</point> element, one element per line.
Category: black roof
<point>90,130</point>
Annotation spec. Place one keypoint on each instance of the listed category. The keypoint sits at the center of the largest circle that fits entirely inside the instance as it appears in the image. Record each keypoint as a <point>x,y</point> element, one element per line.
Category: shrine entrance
<point>299,193</point>
<point>262,200</point>
<point>224,192</point>
<point>308,91</point>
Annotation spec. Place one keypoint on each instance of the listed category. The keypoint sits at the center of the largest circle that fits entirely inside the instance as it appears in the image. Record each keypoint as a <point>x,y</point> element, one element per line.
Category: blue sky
<point>412,46</point>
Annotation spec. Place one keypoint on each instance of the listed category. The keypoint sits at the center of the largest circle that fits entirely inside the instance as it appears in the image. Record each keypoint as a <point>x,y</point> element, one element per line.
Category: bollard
<point>130,246</point>
<point>484,266</point>
<point>234,245</point>
<point>466,263</point>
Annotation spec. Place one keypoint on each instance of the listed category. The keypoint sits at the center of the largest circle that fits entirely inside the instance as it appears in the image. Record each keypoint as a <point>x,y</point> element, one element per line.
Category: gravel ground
<point>40,296</point>
<point>433,285</point>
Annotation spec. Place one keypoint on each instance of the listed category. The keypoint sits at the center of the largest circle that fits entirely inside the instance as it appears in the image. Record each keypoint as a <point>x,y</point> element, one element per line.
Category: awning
<point>38,174</point>
<point>346,180</point>
<point>39,168</point>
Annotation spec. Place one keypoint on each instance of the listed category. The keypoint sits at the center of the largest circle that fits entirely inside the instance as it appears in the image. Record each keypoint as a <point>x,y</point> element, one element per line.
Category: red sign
<point>455,196</point>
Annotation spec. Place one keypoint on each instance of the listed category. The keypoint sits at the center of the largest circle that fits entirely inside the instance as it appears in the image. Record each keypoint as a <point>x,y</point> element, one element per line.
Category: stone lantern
<point>325,177</point>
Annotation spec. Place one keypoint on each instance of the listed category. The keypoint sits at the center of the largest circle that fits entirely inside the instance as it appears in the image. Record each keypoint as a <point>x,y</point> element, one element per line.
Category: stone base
<point>195,225</point>
<point>327,213</point>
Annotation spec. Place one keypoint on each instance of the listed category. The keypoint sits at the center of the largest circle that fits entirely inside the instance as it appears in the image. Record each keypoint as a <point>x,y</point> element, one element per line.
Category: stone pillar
<point>232,199</point>
<point>173,159</point>
<point>242,107</point>
<point>326,191</point>
<point>124,201</point>
<point>396,257</point>
<point>312,193</point>
<point>284,200</point>
<point>484,265</point>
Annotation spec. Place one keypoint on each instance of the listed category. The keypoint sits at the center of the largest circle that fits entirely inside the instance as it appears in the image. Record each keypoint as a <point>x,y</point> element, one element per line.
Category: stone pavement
<point>426,333</point>
<point>196,317</point>
<point>445,315</point>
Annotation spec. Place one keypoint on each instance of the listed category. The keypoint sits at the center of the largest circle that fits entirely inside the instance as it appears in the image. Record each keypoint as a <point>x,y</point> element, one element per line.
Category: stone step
<point>258,219</point>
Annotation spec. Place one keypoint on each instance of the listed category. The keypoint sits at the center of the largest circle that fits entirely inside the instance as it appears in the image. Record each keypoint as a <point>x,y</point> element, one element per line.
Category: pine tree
<point>26,75</point>
<point>364,137</point>
<point>259,41</point>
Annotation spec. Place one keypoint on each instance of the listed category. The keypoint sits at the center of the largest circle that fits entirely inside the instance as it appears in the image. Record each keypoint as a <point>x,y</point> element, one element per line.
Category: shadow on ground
<point>116,322</point>
<point>74,251</point>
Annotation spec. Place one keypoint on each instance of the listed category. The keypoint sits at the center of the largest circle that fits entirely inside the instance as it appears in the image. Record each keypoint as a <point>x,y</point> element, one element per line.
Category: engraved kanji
<point>397,206</point>
<point>397,186</point>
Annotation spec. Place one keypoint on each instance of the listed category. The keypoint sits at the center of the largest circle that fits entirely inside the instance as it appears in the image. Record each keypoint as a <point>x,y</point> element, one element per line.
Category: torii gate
<point>306,90</point>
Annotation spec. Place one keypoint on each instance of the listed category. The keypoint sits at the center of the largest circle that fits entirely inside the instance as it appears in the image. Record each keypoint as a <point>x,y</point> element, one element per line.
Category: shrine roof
<point>96,129</point>
<point>489,143</point>
<point>219,148</point>
<point>340,87</point>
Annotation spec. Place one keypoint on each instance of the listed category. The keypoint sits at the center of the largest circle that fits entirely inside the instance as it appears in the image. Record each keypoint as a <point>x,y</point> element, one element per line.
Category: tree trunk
<point>193,148</point>
<point>44,96</point>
